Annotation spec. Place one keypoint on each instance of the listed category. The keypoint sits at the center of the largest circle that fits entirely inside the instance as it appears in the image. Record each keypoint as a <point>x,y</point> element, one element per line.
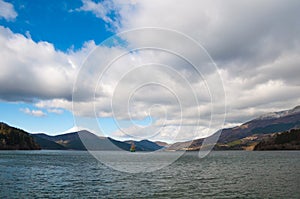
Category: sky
<point>148,69</point>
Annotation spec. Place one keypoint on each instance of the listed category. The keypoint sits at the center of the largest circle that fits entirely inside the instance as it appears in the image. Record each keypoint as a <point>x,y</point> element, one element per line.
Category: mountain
<point>65,141</point>
<point>250,133</point>
<point>187,145</point>
<point>288,140</point>
<point>279,114</point>
<point>72,141</point>
<point>258,134</point>
<point>160,143</point>
<point>266,124</point>
<point>145,145</point>
<point>47,144</point>
<point>16,139</point>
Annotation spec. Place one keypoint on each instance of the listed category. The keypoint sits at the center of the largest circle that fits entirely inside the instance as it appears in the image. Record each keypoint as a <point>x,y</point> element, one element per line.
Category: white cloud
<point>102,10</point>
<point>32,70</point>
<point>7,11</point>
<point>56,111</point>
<point>35,113</point>
<point>257,53</point>
<point>257,64</point>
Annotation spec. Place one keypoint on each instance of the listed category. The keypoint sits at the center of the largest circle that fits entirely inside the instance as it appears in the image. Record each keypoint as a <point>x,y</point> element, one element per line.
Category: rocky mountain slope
<point>250,133</point>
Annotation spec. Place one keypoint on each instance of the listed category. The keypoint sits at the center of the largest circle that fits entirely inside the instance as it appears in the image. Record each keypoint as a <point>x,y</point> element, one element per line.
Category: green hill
<point>289,140</point>
<point>16,139</point>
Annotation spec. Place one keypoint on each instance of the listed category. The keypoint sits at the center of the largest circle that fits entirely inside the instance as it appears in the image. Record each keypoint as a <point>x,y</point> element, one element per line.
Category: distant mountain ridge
<point>280,114</point>
<point>256,129</point>
<point>12,138</point>
<point>16,139</point>
<point>145,145</point>
<point>282,121</point>
<point>73,141</point>
<point>47,144</point>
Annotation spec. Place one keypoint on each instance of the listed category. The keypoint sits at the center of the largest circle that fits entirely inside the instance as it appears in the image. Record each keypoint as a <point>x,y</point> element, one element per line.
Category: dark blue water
<point>76,174</point>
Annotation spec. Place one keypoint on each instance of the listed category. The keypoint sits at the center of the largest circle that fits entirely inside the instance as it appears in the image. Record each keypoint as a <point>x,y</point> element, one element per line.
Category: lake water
<point>222,174</point>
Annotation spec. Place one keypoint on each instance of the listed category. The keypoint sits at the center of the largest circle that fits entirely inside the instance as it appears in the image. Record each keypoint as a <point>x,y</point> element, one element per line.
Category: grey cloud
<point>34,71</point>
<point>254,43</point>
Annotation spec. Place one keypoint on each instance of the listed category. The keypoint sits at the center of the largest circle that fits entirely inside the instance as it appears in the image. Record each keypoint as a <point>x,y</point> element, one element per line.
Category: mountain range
<point>247,135</point>
<point>72,141</point>
<point>258,134</point>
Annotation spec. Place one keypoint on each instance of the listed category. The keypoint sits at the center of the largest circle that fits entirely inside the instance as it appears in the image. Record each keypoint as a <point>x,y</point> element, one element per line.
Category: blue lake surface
<point>222,174</point>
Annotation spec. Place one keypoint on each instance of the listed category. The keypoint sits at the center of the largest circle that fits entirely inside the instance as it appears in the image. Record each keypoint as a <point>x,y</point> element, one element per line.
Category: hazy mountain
<point>160,143</point>
<point>47,144</point>
<point>145,145</point>
<point>16,139</point>
<point>73,141</point>
<point>66,141</point>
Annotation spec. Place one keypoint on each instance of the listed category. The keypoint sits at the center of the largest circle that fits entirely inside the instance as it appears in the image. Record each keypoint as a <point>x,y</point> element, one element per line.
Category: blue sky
<point>44,46</point>
<point>58,23</point>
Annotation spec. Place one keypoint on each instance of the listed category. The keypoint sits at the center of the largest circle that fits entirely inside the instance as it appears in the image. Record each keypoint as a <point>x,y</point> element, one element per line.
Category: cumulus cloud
<point>7,11</point>
<point>255,45</point>
<point>104,10</point>
<point>35,113</point>
<point>35,70</point>
<point>257,53</point>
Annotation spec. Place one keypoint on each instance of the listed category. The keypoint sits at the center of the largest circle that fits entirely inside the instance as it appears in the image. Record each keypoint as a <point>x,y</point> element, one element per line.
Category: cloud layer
<point>255,45</point>
<point>31,70</point>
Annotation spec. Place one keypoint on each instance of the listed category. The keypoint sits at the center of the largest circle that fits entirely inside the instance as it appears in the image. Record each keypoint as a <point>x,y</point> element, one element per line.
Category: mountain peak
<point>296,109</point>
<point>280,114</point>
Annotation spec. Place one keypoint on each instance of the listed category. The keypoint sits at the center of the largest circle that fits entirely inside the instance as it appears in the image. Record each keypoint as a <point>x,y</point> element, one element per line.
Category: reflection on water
<point>228,174</point>
<point>136,162</point>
